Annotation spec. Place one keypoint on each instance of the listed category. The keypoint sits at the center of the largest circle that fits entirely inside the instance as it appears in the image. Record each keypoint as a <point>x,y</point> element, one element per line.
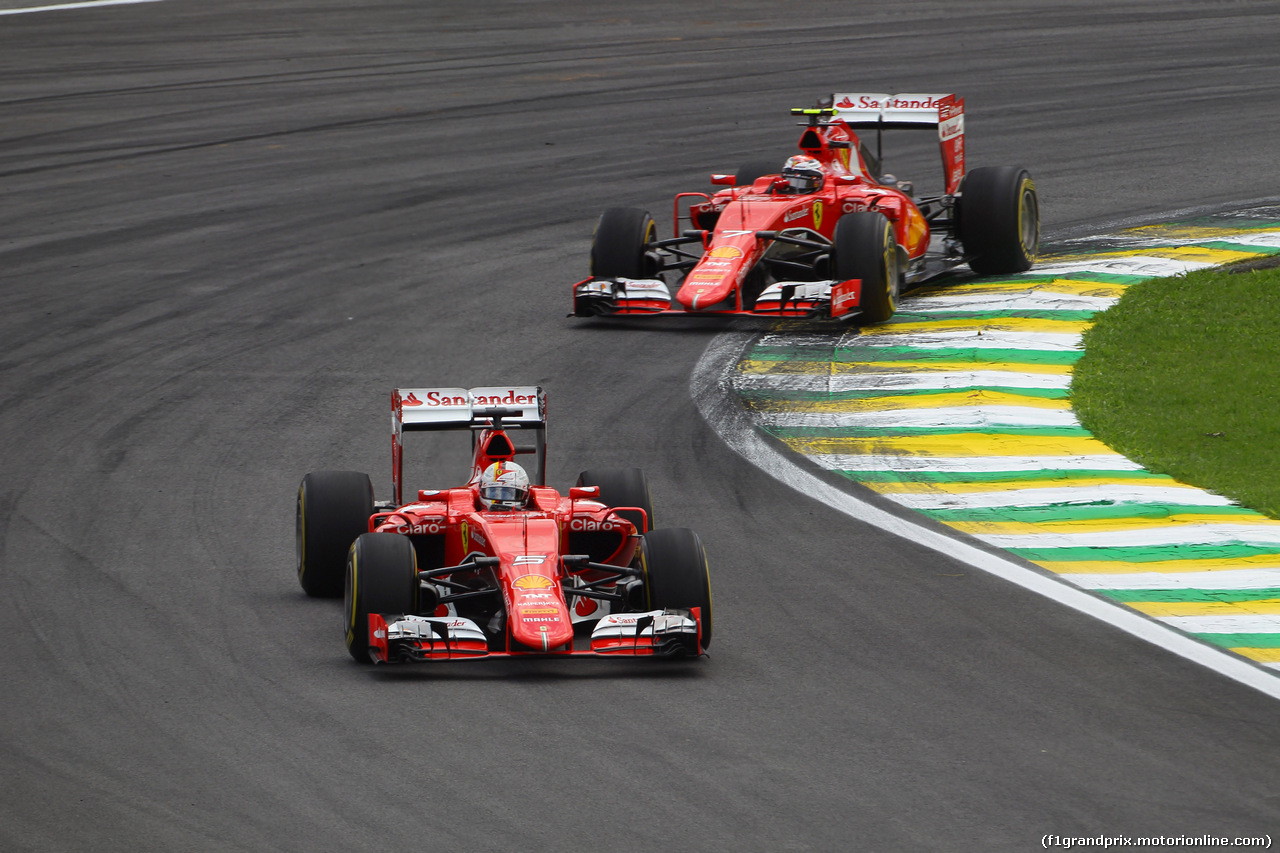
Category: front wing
<point>657,633</point>
<point>614,297</point>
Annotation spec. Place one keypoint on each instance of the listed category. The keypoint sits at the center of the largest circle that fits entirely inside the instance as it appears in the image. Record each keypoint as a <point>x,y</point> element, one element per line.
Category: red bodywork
<point>521,552</point>
<point>738,227</point>
<point>733,217</point>
<point>528,545</point>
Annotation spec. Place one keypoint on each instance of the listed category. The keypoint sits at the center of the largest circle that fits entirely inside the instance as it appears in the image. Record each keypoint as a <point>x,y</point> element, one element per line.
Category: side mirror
<point>584,492</point>
<point>724,180</point>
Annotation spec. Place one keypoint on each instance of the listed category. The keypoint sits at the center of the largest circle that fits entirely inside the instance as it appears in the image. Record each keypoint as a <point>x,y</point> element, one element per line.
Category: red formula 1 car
<point>503,565</point>
<point>826,234</point>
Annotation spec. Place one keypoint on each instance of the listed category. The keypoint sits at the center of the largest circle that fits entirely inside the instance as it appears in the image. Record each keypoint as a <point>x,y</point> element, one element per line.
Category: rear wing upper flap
<point>878,110</point>
<point>882,111</point>
<point>520,406</point>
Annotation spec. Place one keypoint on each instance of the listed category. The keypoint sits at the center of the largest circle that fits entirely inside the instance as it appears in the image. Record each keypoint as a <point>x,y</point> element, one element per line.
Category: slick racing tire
<point>998,220</point>
<point>619,248</point>
<point>333,509</point>
<point>382,577</point>
<point>622,487</point>
<point>674,570</point>
<point>863,248</point>
<point>747,175</point>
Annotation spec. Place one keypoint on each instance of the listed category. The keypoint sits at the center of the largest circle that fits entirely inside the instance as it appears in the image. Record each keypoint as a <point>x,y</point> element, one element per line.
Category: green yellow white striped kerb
<point>960,408</point>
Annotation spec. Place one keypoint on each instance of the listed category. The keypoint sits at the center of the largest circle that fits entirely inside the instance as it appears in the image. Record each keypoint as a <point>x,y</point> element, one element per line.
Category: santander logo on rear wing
<point>453,408</point>
<point>880,111</point>
<point>857,109</point>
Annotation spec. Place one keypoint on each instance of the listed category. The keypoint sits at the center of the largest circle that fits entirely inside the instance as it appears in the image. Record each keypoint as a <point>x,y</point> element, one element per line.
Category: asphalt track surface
<point>229,229</point>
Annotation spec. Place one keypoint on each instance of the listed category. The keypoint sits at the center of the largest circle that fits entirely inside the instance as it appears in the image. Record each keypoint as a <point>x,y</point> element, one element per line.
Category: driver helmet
<point>504,485</point>
<point>802,174</point>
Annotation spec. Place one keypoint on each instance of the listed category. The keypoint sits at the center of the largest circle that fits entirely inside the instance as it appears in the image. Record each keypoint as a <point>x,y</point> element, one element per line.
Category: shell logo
<point>726,252</point>
<point>533,582</point>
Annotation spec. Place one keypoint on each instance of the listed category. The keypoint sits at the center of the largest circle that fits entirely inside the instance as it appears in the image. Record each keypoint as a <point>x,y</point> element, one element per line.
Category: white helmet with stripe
<point>504,485</point>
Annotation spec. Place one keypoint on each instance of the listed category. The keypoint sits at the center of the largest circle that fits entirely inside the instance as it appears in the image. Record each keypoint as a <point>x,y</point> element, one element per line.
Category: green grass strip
<point>1215,221</point>
<point>916,432</point>
<point>1082,316</point>
<point>1013,478</point>
<point>1144,553</point>
<point>790,353</point>
<point>1083,512</point>
<point>1083,276</point>
<point>1181,377</point>
<point>770,400</point>
<point>890,354</point>
<point>1227,245</point>
<point>1182,594</point>
<point>1242,641</point>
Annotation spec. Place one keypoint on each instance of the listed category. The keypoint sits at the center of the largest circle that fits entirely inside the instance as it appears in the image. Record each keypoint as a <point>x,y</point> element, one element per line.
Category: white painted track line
<point>90,4</point>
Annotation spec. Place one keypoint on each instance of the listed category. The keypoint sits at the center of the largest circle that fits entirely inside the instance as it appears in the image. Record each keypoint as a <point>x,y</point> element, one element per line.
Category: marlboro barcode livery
<point>826,233</point>
<point>502,566</point>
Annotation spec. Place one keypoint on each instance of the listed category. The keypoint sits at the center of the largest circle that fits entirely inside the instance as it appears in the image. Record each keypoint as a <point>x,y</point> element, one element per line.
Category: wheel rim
<point>1029,219</point>
<point>301,532</point>
<point>891,271</point>
<point>349,599</point>
<point>647,267</point>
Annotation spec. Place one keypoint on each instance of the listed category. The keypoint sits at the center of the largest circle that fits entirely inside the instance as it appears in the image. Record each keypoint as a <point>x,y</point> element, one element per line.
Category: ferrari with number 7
<point>827,234</point>
<point>502,565</point>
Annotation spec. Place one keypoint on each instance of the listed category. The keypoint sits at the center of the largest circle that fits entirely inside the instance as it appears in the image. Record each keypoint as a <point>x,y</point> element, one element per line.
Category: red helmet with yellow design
<point>803,174</point>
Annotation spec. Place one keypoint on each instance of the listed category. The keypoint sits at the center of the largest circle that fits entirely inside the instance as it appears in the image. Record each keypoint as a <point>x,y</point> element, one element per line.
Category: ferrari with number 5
<point>502,565</point>
<point>826,234</point>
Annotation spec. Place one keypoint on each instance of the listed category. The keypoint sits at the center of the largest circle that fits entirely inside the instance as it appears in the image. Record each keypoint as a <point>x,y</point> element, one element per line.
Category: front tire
<point>333,509</point>
<point>998,220</point>
<point>619,247</point>
<point>864,248</point>
<point>622,487</point>
<point>381,577</point>
<point>674,567</point>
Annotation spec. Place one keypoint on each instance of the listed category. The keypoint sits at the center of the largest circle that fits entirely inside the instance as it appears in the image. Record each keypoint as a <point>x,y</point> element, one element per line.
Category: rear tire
<point>333,509</point>
<point>618,249</point>
<point>998,220</point>
<point>864,248</point>
<point>675,573</point>
<point>381,577</point>
<point>622,487</point>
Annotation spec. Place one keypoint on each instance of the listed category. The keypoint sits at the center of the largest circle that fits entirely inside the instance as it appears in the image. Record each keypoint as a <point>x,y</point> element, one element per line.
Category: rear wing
<point>511,407</point>
<point>879,111</point>
<point>458,408</point>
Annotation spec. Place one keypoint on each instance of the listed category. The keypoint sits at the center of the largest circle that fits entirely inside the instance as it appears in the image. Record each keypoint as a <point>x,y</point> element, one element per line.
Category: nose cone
<point>539,618</point>
<point>713,279</point>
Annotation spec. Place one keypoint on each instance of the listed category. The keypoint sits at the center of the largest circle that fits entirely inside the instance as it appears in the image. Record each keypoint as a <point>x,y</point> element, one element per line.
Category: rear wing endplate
<point>881,111</point>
